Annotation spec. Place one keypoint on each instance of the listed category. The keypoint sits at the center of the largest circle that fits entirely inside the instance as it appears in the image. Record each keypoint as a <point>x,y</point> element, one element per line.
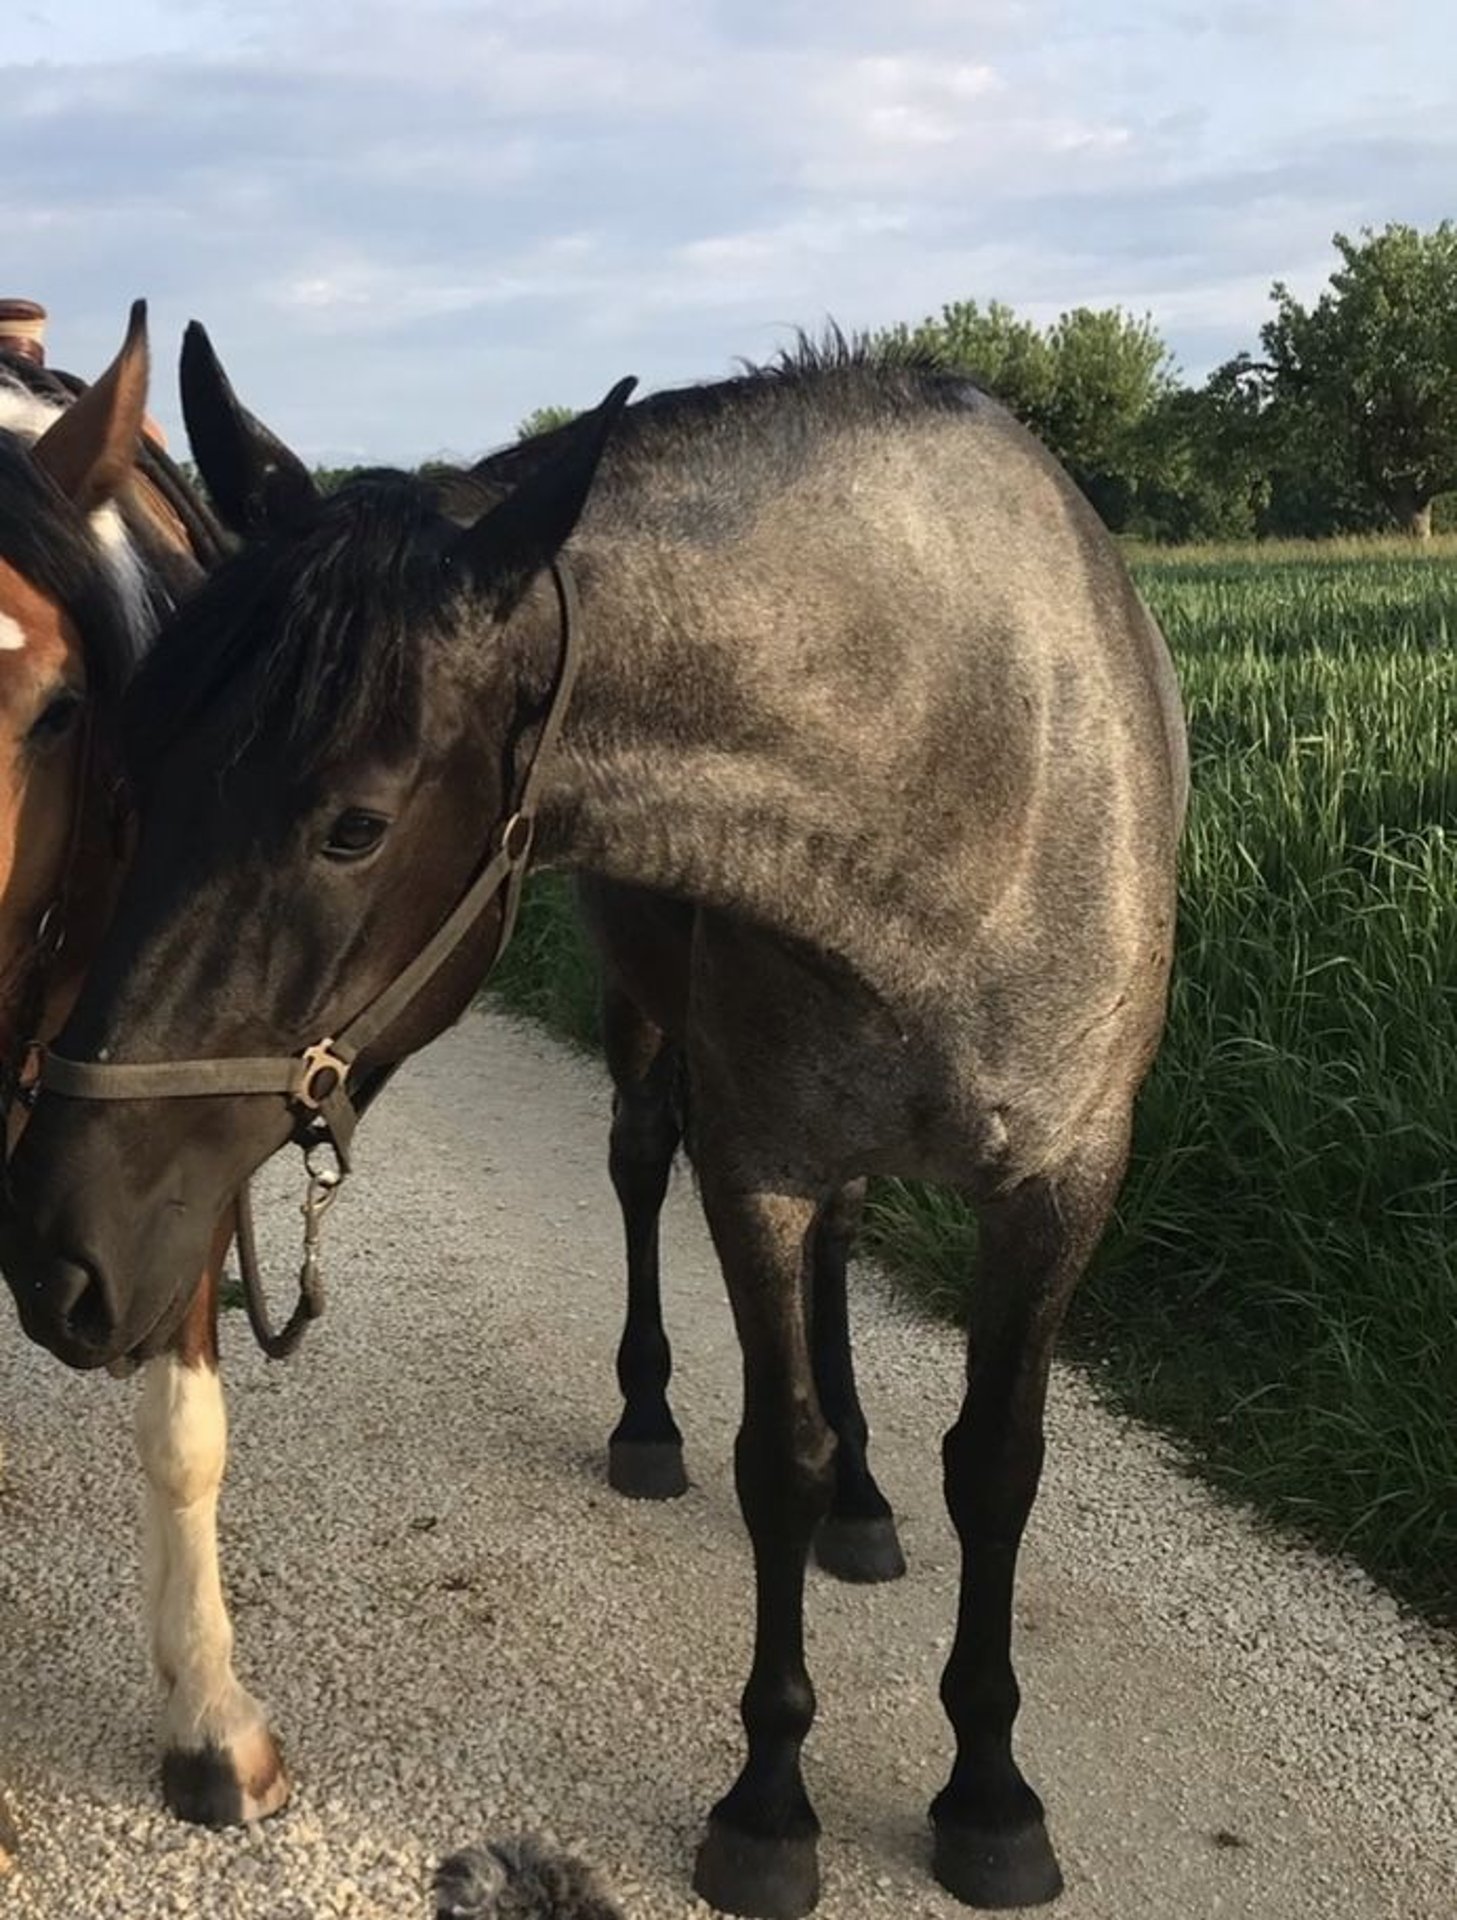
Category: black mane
<point>833,380</point>
<point>341,599</point>
<point>835,351</point>
<point>340,602</point>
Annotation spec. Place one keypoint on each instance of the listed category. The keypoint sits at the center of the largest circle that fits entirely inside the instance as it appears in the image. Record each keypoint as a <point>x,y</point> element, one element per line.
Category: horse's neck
<point>698,761</point>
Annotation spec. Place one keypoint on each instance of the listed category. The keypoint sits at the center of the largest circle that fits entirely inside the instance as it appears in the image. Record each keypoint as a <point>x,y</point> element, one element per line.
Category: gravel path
<point>462,1631</point>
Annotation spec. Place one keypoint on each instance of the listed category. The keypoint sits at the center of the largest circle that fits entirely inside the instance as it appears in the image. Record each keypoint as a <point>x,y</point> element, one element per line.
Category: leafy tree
<point>327,479</point>
<point>1112,373</point>
<point>544,420</point>
<point>1206,470</point>
<point>1007,356</point>
<point>1086,386</point>
<point>1371,370</point>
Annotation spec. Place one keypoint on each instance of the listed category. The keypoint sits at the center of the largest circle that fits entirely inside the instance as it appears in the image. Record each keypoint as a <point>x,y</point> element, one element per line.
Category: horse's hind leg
<point>221,1765</point>
<point>991,1847</point>
<point>857,1538</point>
<point>645,1453</point>
<point>758,1856</point>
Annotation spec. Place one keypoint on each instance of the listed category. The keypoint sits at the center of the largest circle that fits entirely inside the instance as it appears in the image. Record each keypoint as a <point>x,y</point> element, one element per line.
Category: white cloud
<point>409,224</point>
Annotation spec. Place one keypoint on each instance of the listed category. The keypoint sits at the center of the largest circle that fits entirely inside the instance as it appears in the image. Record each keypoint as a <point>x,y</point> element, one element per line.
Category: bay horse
<point>100,538</point>
<point>836,657</point>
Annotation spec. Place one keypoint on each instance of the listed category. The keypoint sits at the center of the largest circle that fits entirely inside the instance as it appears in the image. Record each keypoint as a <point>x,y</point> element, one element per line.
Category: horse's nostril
<point>88,1314</point>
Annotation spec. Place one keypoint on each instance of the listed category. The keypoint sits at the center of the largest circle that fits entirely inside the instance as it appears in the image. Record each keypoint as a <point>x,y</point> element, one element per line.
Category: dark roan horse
<point>869,715</point>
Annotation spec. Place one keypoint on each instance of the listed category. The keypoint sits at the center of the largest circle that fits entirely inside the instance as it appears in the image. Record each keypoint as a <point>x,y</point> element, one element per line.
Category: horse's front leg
<point>221,1765</point>
<point>645,1453</point>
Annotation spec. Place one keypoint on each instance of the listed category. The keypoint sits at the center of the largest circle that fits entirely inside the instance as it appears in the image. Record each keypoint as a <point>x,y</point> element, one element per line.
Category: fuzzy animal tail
<point>520,1879</point>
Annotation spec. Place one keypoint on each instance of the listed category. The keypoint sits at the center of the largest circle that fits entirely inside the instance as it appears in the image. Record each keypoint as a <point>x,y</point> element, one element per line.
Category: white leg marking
<point>182,1436</point>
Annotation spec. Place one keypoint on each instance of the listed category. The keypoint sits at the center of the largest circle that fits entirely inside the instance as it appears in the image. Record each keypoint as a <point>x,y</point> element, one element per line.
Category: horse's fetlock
<point>779,1707</point>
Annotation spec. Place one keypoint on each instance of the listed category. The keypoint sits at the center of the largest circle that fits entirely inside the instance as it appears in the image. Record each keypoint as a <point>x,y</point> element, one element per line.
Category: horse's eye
<point>355,833</point>
<point>56,718</point>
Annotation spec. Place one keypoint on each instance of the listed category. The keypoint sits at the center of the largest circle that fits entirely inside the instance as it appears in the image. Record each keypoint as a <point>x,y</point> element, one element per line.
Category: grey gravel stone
<point>462,1632</point>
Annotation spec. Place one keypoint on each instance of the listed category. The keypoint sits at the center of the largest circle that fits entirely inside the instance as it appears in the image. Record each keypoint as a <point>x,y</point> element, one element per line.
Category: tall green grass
<point>1279,1286</point>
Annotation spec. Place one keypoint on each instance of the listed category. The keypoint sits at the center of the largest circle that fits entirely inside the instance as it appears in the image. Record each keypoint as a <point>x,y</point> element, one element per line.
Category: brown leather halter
<point>316,1081</point>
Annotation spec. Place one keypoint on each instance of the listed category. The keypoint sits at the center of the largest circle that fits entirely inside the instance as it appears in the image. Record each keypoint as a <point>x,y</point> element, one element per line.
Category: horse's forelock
<point>312,629</point>
<point>26,416</point>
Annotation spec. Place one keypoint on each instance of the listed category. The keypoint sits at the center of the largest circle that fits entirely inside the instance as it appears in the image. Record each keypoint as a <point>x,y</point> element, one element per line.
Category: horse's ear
<point>524,533</point>
<point>91,449</point>
<point>257,484</point>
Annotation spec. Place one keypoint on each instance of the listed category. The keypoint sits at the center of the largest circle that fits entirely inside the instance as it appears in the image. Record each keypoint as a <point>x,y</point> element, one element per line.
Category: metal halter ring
<point>314,1063</point>
<point>516,838</point>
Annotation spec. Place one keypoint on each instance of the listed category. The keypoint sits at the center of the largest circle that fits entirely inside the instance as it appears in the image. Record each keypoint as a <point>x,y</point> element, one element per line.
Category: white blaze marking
<point>12,634</point>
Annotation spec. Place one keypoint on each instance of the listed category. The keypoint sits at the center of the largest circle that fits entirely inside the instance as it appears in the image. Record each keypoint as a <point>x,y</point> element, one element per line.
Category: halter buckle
<point>315,1063</point>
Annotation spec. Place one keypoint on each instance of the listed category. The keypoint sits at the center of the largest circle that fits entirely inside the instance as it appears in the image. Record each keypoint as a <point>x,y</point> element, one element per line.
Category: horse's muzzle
<point>64,1306</point>
<point>64,1300</point>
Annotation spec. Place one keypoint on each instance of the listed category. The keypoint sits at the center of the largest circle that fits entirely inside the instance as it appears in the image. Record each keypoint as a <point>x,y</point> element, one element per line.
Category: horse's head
<point>325,742</point>
<point>71,603</point>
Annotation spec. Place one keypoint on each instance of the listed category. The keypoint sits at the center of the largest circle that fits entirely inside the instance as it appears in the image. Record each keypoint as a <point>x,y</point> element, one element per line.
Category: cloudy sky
<point>408,222</point>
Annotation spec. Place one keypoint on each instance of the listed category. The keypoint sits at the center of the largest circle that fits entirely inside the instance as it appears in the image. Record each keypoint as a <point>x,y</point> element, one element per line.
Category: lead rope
<point>323,1189</point>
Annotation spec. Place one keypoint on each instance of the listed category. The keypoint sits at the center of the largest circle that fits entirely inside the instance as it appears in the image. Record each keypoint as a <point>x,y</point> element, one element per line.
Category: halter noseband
<point>315,1081</point>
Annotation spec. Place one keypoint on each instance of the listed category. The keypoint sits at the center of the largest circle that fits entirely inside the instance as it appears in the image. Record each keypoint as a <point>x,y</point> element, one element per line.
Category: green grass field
<point>1279,1288</point>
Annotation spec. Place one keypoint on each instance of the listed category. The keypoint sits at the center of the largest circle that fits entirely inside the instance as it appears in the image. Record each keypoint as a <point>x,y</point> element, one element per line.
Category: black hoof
<point>992,1869</point>
<point>202,1788</point>
<point>862,1551</point>
<point>646,1469</point>
<point>766,1879</point>
<point>212,1788</point>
